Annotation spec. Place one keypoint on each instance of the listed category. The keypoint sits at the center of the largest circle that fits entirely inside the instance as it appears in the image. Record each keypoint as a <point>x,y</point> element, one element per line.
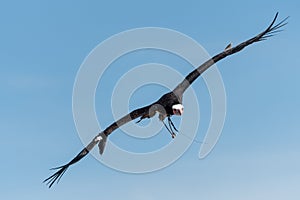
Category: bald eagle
<point>167,105</point>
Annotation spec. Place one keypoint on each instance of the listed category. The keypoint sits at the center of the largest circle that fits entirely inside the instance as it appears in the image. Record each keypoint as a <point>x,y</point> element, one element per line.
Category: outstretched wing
<point>179,90</point>
<point>101,139</point>
<point>190,78</point>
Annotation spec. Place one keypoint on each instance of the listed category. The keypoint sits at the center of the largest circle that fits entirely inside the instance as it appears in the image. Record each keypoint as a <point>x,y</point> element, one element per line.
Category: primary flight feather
<point>169,104</point>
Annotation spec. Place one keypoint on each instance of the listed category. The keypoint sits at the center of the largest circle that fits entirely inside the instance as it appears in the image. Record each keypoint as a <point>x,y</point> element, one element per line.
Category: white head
<point>177,109</point>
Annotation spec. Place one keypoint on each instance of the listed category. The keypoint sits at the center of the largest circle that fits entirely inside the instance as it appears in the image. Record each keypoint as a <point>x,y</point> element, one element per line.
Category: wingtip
<point>56,176</point>
<point>275,18</point>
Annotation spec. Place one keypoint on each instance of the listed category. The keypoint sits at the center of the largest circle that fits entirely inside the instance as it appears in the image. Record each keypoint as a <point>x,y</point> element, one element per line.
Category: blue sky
<point>43,44</point>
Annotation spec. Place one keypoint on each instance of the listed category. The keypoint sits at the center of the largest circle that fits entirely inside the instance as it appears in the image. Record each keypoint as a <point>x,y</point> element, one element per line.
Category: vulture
<point>167,105</point>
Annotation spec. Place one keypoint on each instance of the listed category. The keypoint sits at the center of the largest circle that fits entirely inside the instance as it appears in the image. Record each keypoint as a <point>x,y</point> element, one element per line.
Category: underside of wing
<point>100,139</point>
<point>268,32</point>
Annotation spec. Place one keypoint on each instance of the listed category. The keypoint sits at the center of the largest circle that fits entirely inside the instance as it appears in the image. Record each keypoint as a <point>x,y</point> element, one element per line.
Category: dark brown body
<point>164,105</point>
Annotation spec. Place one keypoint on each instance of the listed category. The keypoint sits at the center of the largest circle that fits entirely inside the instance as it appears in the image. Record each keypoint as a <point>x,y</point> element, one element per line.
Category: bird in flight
<point>166,106</point>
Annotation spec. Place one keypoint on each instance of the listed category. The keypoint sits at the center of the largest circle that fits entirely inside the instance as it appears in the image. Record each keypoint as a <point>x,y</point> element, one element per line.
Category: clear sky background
<point>43,44</point>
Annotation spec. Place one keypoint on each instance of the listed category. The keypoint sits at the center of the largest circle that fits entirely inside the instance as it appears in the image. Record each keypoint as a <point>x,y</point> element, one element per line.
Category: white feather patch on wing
<point>102,142</point>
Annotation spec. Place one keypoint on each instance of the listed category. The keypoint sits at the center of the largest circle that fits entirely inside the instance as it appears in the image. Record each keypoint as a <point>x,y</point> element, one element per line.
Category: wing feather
<point>179,90</point>
<point>191,77</point>
<point>101,139</point>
